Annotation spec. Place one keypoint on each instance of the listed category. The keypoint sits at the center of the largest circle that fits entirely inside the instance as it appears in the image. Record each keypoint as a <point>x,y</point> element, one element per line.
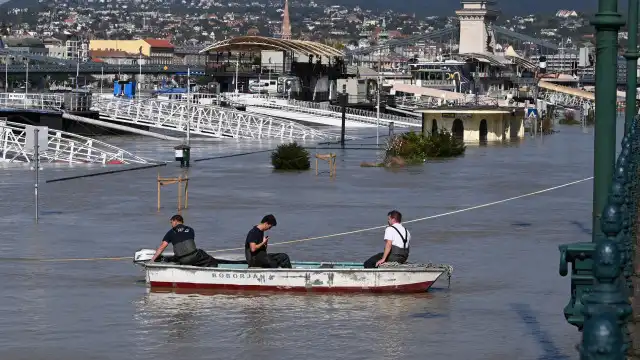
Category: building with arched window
<point>476,124</point>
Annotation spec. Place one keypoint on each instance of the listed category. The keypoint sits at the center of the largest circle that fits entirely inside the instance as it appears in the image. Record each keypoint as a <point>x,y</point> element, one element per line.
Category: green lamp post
<point>632,56</point>
<point>607,23</point>
<point>606,305</point>
<point>580,255</point>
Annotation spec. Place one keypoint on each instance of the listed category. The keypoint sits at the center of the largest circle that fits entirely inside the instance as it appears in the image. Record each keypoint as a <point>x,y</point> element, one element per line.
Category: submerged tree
<point>417,147</point>
<point>290,156</point>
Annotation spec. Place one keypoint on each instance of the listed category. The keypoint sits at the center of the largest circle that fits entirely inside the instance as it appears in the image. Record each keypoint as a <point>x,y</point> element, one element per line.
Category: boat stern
<point>142,256</point>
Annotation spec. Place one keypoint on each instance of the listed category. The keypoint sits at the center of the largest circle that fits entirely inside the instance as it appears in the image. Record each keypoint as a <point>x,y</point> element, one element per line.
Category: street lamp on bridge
<point>599,297</point>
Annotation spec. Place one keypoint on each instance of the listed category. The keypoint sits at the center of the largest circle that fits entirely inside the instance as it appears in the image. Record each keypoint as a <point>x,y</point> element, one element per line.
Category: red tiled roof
<point>159,43</point>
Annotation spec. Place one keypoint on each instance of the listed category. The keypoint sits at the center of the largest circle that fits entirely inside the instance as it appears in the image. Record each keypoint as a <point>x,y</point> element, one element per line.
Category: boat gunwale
<point>202,268</point>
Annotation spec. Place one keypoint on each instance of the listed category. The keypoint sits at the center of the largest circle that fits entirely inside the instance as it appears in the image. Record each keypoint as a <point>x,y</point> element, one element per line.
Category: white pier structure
<point>573,98</point>
<point>62,147</point>
<point>204,120</point>
<point>36,102</point>
<point>318,113</point>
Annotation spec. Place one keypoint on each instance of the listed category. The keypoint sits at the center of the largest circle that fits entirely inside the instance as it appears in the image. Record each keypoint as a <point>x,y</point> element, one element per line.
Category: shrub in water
<point>569,118</point>
<point>416,148</point>
<point>290,157</point>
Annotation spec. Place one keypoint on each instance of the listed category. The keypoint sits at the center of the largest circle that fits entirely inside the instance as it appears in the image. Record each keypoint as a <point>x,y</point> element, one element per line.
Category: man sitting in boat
<point>255,247</point>
<point>185,252</point>
<point>396,238</point>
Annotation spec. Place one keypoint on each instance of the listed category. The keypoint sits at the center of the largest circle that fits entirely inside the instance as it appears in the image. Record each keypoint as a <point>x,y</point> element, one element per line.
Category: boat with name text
<point>302,277</point>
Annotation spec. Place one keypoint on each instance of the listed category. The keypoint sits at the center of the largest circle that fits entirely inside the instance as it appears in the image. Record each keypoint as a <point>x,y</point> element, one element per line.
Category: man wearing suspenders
<point>396,239</point>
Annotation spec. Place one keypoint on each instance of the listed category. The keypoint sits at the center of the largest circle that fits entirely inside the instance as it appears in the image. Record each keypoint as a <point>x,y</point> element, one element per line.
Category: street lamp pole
<point>237,65</point>
<point>188,105</point>
<point>632,56</point>
<point>378,111</point>
<point>607,23</point>
<point>140,71</point>
<point>599,306</point>
<point>378,96</point>
<point>77,65</point>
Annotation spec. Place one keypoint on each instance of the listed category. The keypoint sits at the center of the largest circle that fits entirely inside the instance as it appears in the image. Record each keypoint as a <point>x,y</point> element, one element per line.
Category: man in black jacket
<point>255,247</point>
<point>185,252</point>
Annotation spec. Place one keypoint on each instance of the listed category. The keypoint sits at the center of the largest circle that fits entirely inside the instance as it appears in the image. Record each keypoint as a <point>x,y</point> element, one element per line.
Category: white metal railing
<point>242,97</point>
<point>293,110</point>
<point>205,120</point>
<point>305,107</point>
<point>50,102</point>
<point>62,147</point>
<point>413,102</point>
<point>327,109</point>
<point>564,99</point>
<point>359,113</point>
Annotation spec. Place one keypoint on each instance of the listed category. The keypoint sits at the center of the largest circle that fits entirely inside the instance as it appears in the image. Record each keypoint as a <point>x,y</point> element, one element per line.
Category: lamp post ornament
<point>599,304</point>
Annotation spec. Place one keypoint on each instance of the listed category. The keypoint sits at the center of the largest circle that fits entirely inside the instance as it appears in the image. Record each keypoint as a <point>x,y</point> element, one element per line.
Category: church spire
<point>286,24</point>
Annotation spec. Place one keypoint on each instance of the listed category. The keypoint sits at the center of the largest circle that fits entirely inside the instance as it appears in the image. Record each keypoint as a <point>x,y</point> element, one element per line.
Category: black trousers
<point>277,260</point>
<point>371,262</point>
<point>201,258</point>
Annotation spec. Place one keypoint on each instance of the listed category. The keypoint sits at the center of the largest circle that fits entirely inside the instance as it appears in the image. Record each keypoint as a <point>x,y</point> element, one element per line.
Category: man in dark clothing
<point>255,248</point>
<point>185,252</point>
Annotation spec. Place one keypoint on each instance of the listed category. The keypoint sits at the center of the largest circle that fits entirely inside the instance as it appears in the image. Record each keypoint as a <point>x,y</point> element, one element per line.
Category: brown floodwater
<point>505,300</point>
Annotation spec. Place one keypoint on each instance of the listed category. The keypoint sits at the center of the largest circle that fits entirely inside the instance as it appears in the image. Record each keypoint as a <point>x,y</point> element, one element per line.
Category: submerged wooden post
<point>175,180</point>
<point>331,160</point>
<point>186,193</point>
<point>179,193</point>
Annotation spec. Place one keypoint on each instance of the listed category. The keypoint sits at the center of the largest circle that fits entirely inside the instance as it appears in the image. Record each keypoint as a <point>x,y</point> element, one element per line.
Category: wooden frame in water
<point>330,159</point>
<point>175,180</point>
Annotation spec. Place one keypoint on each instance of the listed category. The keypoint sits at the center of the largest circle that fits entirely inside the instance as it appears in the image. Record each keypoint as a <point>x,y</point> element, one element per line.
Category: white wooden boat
<point>304,276</point>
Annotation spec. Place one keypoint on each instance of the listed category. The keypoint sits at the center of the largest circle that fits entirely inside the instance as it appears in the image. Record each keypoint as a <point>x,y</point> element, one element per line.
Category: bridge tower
<point>476,20</point>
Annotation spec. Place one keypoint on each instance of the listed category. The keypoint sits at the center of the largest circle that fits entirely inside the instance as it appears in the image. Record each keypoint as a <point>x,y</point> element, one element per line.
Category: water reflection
<point>261,322</point>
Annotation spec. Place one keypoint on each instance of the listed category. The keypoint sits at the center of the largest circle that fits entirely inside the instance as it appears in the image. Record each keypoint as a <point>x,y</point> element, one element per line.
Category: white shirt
<point>396,240</point>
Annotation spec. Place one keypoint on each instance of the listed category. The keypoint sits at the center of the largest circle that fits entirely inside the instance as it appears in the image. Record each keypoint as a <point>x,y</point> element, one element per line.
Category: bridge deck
<point>307,118</point>
<point>205,120</point>
<point>302,110</point>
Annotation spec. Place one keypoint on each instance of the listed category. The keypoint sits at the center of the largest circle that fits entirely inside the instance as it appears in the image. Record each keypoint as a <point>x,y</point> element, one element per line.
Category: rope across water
<point>330,235</point>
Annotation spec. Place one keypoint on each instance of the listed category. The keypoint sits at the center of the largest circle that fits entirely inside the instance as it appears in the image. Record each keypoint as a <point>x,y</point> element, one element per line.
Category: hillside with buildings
<point>200,22</point>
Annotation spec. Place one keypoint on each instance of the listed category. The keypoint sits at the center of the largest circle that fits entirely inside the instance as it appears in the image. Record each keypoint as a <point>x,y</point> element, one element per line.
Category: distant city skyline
<point>439,7</point>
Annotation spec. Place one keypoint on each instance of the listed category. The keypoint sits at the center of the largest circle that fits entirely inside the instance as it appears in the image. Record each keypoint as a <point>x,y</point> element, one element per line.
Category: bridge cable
<point>336,234</point>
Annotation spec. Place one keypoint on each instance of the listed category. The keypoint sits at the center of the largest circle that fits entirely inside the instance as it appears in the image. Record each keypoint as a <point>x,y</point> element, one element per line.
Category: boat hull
<point>381,280</point>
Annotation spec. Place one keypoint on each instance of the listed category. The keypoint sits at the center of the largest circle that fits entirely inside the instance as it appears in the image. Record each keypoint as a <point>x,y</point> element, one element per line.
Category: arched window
<point>458,129</point>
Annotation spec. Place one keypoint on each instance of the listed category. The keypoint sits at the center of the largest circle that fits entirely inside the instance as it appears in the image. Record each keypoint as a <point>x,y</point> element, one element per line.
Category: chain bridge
<point>451,37</point>
<point>46,64</point>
